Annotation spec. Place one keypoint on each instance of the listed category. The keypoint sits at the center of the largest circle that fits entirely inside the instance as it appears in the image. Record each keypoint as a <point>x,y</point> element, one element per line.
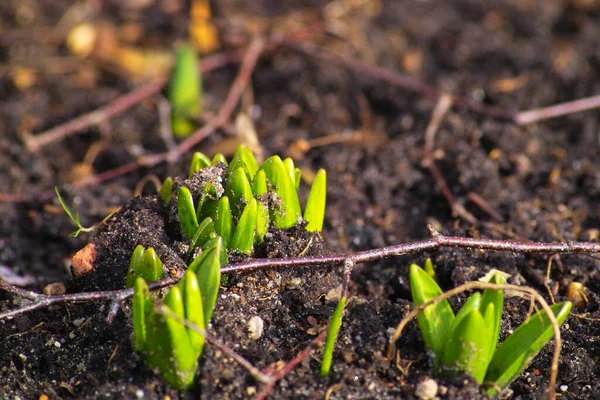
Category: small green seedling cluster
<point>246,202</point>
<point>467,341</point>
<point>166,343</point>
<point>185,91</point>
<point>144,264</point>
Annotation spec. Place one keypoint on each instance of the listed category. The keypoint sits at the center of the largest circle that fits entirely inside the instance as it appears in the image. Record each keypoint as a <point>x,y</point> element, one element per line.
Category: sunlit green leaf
<point>204,232</point>
<point>214,242</point>
<point>467,348</point>
<point>207,267</point>
<point>166,190</point>
<point>187,212</point>
<point>134,266</point>
<point>314,213</point>
<point>223,219</point>
<point>519,349</point>
<point>435,321</point>
<point>185,90</point>
<point>142,309</point>
<point>239,191</point>
<point>243,158</point>
<point>151,267</point>
<point>219,158</point>
<point>192,301</point>
<point>428,267</point>
<point>332,333</point>
<point>287,212</point>
<point>199,161</point>
<point>260,188</point>
<point>495,297</point>
<point>243,236</point>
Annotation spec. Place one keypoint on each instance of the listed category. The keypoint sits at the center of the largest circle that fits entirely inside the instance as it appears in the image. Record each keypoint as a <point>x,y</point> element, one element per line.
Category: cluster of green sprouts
<point>233,213</point>
<point>468,341</point>
<point>241,206</point>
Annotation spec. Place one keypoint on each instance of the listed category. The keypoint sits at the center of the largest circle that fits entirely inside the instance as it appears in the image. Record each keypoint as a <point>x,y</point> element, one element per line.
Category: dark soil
<point>542,179</point>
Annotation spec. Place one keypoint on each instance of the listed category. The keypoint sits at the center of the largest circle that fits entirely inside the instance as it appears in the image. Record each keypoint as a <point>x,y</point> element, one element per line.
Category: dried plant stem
<point>482,286</point>
<point>557,110</point>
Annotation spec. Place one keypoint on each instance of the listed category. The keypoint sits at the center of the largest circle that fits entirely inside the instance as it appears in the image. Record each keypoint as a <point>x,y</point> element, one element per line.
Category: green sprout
<point>185,91</point>
<point>332,333</point>
<point>166,343</point>
<point>145,264</point>
<point>74,217</point>
<point>242,204</point>
<point>467,342</point>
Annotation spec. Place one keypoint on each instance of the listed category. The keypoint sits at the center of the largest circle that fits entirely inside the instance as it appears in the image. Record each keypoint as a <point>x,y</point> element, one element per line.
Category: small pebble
<point>564,388</point>
<point>427,389</point>
<point>139,394</point>
<point>255,327</point>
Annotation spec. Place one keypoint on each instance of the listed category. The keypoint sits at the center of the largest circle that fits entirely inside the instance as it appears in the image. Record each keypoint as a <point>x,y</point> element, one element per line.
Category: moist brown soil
<point>543,181</point>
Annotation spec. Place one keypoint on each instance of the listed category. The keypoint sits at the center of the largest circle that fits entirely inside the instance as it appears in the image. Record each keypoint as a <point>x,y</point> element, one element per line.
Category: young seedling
<point>144,264</point>
<point>251,199</point>
<point>168,344</point>
<point>332,333</point>
<point>74,217</point>
<point>185,91</point>
<point>467,342</point>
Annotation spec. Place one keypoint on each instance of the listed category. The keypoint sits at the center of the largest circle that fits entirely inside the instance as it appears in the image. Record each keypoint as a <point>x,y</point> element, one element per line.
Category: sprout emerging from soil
<point>467,342</point>
<point>166,343</point>
<point>242,200</point>
<point>185,91</point>
<point>144,264</point>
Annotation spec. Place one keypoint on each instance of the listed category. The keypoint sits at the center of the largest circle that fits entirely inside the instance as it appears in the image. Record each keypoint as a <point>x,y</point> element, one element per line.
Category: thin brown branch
<point>557,110</point>
<point>438,241</point>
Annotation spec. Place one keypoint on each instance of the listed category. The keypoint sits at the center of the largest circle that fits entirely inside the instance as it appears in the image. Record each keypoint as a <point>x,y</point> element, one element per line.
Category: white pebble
<point>564,388</point>
<point>427,389</point>
<point>255,327</point>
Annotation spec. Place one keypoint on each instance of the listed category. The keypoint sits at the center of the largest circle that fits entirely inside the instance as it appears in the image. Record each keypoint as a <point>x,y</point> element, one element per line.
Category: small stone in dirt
<point>83,260</point>
<point>255,327</point>
<point>427,389</point>
<point>54,289</point>
<point>564,388</point>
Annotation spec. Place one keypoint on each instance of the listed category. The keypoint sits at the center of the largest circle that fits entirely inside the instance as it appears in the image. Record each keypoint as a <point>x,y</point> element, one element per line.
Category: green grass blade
<point>239,191</point>
<point>179,369</point>
<point>223,219</point>
<point>332,333</point>
<point>142,309</point>
<point>187,212</point>
<point>435,321</point>
<point>495,297</point>
<point>185,90</point>
<point>219,158</point>
<point>134,266</point>
<point>519,349</point>
<point>287,213</point>
<point>151,267</point>
<point>166,190</point>
<point>192,301</point>
<point>315,205</point>
<point>243,236</point>
<point>467,348</point>
<point>199,161</point>
<point>208,269</point>
<point>214,242</point>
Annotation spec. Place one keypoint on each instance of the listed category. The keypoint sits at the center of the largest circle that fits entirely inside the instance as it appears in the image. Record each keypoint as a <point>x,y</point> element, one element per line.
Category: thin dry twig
<point>482,286</point>
<point>557,110</point>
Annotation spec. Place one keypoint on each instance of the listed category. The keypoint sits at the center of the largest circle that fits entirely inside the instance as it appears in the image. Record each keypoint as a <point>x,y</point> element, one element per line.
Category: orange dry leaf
<point>203,33</point>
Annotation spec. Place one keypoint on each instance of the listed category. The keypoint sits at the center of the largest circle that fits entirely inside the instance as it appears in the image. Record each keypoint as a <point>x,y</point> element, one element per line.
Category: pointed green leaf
<point>199,161</point>
<point>288,163</point>
<point>151,267</point>
<point>166,190</point>
<point>219,158</point>
<point>204,232</point>
<point>192,301</point>
<point>208,269</point>
<point>467,348</point>
<point>519,349</point>
<point>332,333</point>
<point>435,321</point>
<point>239,191</point>
<point>223,219</point>
<point>134,266</point>
<point>287,212</point>
<point>315,205</point>
<point>472,303</point>
<point>259,184</point>
<point>178,369</point>
<point>428,267</point>
<point>297,177</point>
<point>187,212</point>
<point>214,242</point>
<point>243,237</point>
<point>185,90</point>
<point>495,297</point>
<point>142,310</point>
<point>243,158</point>
<point>260,188</point>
